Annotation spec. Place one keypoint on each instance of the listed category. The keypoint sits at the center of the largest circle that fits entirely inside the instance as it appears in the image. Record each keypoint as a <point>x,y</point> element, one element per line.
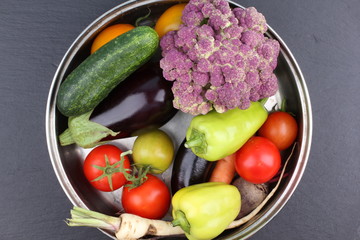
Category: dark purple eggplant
<point>142,101</point>
<point>189,169</point>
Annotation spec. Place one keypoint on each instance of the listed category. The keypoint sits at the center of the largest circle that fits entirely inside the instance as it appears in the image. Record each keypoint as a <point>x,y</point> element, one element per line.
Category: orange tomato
<point>170,20</point>
<point>109,34</point>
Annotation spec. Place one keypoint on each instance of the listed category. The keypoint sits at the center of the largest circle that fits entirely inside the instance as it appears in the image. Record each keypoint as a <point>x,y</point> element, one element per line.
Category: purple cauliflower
<point>219,58</point>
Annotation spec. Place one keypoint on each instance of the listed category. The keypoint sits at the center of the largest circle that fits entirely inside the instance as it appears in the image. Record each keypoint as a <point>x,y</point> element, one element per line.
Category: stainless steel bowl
<point>67,161</point>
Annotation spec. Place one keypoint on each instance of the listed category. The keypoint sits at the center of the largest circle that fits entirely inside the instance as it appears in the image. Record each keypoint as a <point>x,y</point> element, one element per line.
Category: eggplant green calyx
<point>197,142</point>
<point>181,221</point>
<point>84,132</point>
<point>111,169</point>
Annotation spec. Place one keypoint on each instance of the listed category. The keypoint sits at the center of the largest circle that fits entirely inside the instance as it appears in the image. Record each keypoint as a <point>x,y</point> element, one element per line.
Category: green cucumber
<point>89,83</point>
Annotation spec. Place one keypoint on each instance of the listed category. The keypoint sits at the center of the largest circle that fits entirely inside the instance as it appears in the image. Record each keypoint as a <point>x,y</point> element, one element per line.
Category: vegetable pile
<point>214,64</point>
<point>219,58</point>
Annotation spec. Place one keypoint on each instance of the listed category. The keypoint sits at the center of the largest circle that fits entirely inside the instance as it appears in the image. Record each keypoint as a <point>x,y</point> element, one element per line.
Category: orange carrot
<point>224,170</point>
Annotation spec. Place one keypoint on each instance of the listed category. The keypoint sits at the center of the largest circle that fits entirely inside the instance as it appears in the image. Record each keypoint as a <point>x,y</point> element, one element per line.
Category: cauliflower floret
<point>219,58</point>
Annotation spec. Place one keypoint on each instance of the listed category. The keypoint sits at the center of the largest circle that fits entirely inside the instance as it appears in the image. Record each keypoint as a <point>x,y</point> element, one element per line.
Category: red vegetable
<point>258,160</point>
<point>151,199</point>
<point>281,128</point>
<point>103,168</point>
<point>224,170</point>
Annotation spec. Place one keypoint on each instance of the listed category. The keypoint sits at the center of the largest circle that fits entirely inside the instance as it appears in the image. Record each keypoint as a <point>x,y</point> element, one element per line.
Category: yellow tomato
<point>109,34</point>
<point>170,20</point>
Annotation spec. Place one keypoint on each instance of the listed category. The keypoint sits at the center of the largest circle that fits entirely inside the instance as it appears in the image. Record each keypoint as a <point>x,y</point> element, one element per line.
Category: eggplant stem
<point>84,132</point>
<point>138,21</point>
<point>66,138</point>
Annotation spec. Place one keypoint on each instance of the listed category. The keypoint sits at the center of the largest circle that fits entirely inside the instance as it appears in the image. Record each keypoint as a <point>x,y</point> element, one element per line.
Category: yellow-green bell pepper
<point>204,210</point>
<point>216,135</point>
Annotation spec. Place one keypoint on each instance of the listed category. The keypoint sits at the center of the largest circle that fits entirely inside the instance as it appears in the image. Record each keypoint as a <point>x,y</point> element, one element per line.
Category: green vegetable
<point>83,132</point>
<point>102,71</point>
<point>216,135</point>
<point>155,149</point>
<point>205,210</point>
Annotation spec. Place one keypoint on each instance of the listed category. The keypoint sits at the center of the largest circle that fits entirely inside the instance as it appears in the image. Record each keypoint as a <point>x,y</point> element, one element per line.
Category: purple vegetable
<point>142,101</point>
<point>219,58</point>
<point>252,195</point>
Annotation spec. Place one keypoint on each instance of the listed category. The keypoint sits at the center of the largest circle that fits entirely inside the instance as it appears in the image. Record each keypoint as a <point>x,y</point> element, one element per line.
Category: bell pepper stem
<point>181,221</point>
<point>197,142</point>
<point>263,101</point>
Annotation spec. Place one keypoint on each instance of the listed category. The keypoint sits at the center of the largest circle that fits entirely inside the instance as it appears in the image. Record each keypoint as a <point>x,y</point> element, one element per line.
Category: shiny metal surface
<point>67,161</point>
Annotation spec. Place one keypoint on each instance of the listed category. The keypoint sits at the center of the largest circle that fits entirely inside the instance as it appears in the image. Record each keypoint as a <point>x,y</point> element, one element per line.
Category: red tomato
<point>258,160</point>
<point>149,200</point>
<point>281,128</point>
<point>101,170</point>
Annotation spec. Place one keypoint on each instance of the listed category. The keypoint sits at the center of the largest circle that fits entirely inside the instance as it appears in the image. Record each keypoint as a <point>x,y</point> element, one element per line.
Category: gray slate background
<point>324,38</point>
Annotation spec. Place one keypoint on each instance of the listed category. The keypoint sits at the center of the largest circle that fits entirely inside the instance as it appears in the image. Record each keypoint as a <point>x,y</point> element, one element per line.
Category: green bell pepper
<point>216,135</point>
<point>205,210</point>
